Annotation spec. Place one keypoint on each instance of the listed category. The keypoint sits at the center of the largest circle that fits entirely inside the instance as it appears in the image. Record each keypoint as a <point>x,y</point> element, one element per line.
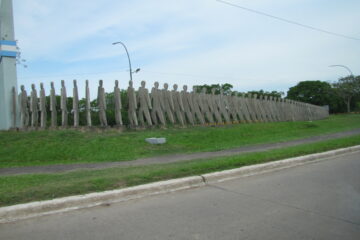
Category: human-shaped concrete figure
<point>178,105</point>
<point>53,105</point>
<point>214,100</point>
<point>132,105</point>
<point>63,105</point>
<point>144,105</point>
<point>157,105</point>
<point>197,114</point>
<point>118,105</point>
<point>206,106</point>
<point>224,105</point>
<point>76,104</point>
<point>186,102</point>
<point>14,107</point>
<point>34,106</point>
<point>102,104</point>
<point>24,107</point>
<point>43,113</point>
<point>168,103</point>
<point>87,104</point>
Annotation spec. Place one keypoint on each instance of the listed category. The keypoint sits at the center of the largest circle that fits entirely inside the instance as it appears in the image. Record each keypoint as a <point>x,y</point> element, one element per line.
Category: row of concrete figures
<point>162,107</point>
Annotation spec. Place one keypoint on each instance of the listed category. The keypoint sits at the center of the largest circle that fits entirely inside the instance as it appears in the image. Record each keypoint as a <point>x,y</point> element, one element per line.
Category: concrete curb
<point>35,209</point>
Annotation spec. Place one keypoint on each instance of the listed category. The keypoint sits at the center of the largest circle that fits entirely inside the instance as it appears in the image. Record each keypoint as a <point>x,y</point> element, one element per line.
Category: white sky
<point>185,42</point>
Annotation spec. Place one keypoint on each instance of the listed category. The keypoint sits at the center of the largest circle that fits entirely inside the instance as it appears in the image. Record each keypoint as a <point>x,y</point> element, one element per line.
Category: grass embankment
<point>26,188</point>
<point>69,146</point>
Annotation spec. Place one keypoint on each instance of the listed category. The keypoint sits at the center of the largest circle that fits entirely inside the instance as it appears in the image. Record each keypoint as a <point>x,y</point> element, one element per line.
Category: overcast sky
<point>186,42</point>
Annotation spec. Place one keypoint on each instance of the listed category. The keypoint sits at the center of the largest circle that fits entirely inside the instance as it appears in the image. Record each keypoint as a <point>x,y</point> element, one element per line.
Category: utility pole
<point>8,78</point>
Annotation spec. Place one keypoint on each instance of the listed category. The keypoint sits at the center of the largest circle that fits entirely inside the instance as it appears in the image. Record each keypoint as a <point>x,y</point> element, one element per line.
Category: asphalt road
<point>320,200</point>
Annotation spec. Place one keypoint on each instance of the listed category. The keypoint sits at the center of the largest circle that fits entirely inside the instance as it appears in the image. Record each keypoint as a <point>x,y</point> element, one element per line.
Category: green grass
<point>26,188</point>
<point>69,146</point>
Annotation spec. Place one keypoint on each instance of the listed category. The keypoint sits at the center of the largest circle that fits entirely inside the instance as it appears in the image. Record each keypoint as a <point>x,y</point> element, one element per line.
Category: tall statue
<point>14,107</point>
<point>187,104</point>
<point>43,114</point>
<point>53,105</point>
<point>178,105</point>
<point>34,106</point>
<point>102,104</point>
<point>144,105</point>
<point>24,107</point>
<point>76,104</point>
<point>214,101</point>
<point>206,106</point>
<point>168,103</point>
<point>87,104</point>
<point>118,105</point>
<point>63,105</point>
<point>132,105</point>
<point>157,105</point>
<point>196,106</point>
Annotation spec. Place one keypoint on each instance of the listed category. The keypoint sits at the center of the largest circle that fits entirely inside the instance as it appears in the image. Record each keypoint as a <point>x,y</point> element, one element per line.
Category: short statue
<point>168,103</point>
<point>63,105</point>
<point>102,104</point>
<point>186,100</point>
<point>144,105</point>
<point>157,105</point>
<point>34,106</point>
<point>24,107</point>
<point>53,106</point>
<point>76,104</point>
<point>43,114</point>
<point>132,105</point>
<point>178,105</point>
<point>118,105</point>
<point>87,104</point>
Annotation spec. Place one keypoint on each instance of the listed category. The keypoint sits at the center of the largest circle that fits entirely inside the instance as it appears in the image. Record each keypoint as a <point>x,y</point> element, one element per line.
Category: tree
<point>275,94</point>
<point>317,93</point>
<point>225,87</point>
<point>348,88</point>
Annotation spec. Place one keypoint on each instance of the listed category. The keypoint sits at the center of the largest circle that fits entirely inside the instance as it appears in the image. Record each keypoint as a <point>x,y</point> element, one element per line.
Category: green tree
<point>348,88</point>
<point>317,93</point>
<point>225,87</point>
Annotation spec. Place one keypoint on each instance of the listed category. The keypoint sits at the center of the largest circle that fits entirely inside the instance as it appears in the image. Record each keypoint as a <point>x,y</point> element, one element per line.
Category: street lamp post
<point>127,53</point>
<point>343,66</point>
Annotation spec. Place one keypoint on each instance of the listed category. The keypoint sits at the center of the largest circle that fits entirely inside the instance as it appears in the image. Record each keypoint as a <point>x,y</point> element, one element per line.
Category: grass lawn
<point>69,146</point>
<point>26,188</point>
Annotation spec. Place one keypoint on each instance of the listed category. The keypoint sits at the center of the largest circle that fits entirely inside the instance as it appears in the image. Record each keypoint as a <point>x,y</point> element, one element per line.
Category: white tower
<point>8,78</point>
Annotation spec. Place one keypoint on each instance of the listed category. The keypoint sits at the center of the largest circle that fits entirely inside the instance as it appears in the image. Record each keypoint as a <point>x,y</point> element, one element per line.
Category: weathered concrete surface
<point>174,157</point>
<point>313,201</point>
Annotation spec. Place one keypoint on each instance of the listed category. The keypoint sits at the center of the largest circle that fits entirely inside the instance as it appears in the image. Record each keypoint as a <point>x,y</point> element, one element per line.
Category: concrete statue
<point>102,104</point>
<point>63,105</point>
<point>76,104</point>
<point>157,105</point>
<point>196,105</point>
<point>118,105</point>
<point>206,106</point>
<point>144,105</point>
<point>178,105</point>
<point>34,106</point>
<point>187,104</point>
<point>43,113</point>
<point>132,105</point>
<point>24,107</point>
<point>53,106</point>
<point>168,104</point>
<point>87,104</point>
